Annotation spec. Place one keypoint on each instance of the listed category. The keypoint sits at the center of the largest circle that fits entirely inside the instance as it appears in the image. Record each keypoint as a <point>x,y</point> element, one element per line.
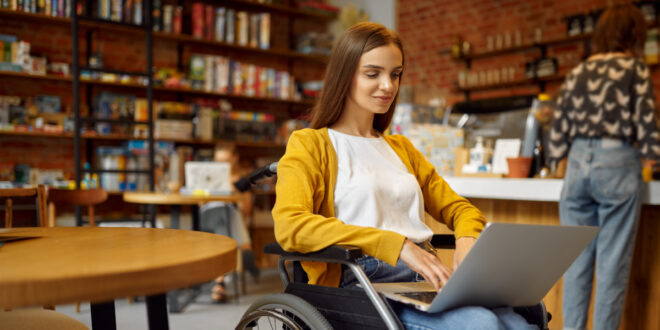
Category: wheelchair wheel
<point>282,311</point>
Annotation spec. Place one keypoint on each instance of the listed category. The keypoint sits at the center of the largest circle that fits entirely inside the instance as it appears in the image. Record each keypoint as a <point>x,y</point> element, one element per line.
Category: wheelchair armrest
<point>443,241</point>
<point>334,253</point>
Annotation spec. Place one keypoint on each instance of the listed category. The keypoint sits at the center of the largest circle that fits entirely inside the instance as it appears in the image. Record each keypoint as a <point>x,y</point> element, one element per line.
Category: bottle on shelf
<point>87,179</point>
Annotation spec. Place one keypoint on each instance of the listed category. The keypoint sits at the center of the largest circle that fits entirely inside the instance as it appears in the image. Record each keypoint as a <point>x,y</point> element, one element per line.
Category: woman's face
<point>376,80</point>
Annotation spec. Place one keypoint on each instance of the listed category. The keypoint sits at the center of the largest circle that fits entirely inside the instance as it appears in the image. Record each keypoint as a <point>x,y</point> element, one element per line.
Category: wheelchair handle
<point>251,179</point>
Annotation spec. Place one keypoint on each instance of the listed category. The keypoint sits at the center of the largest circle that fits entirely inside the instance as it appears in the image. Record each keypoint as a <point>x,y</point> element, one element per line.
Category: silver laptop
<point>509,265</point>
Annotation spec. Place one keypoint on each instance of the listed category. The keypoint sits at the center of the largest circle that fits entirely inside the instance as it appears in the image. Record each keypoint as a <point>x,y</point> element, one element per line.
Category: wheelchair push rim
<point>282,311</point>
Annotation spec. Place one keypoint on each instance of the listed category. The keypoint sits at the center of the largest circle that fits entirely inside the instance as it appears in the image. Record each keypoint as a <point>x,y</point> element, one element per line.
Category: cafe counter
<point>535,201</point>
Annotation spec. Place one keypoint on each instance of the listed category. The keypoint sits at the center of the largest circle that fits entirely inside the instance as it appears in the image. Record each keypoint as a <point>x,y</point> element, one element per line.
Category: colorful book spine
<point>237,78</point>
<point>264,31</point>
<point>250,78</point>
<point>168,13</point>
<point>222,75</point>
<point>220,24</point>
<point>128,11</point>
<point>230,29</point>
<point>198,20</point>
<point>209,72</point>
<point>242,28</point>
<point>209,20</point>
<point>137,12</point>
<point>254,31</point>
<point>177,20</point>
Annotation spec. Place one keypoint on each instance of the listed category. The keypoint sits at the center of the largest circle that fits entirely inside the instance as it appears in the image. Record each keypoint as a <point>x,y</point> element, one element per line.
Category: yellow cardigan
<point>304,212</point>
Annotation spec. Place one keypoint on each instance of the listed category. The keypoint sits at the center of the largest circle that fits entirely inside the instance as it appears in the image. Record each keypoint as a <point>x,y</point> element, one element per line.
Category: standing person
<point>343,181</point>
<point>214,217</point>
<point>606,124</point>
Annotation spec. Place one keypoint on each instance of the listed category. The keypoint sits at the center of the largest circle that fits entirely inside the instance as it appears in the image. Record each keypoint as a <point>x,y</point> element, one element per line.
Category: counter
<point>542,190</point>
<point>535,201</point>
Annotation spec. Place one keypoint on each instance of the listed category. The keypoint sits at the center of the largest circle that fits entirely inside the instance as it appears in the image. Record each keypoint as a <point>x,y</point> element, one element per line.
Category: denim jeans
<point>602,187</point>
<point>472,317</point>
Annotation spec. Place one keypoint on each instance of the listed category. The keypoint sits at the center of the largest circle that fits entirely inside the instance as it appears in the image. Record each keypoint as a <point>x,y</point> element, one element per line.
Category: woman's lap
<point>471,317</point>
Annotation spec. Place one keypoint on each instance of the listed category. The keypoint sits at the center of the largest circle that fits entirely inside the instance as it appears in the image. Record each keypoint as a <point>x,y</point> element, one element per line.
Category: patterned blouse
<point>608,97</point>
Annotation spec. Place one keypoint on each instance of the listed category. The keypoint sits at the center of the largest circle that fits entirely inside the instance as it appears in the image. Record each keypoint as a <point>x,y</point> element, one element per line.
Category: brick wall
<point>427,27</point>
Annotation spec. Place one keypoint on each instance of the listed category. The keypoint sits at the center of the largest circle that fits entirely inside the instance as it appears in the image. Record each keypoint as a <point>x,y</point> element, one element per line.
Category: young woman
<point>344,182</point>
<point>606,107</point>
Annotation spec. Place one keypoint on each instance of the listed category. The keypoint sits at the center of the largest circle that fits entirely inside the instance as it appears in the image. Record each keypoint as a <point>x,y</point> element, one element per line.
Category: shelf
<point>521,82</point>
<point>113,121</point>
<point>235,97</point>
<point>279,9</point>
<point>158,89</point>
<point>530,47</point>
<point>119,72</point>
<point>184,38</point>
<point>64,135</point>
<point>509,50</point>
<point>102,23</point>
<point>12,74</point>
<point>121,137</point>
<point>34,17</point>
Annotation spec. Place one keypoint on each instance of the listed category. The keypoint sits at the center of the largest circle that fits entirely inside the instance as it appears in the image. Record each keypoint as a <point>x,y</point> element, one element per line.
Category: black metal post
<point>157,312</point>
<point>103,316</point>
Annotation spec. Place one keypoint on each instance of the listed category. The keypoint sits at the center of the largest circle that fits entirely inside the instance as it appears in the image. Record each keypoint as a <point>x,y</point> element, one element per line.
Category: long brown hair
<point>357,40</point>
<point>620,28</point>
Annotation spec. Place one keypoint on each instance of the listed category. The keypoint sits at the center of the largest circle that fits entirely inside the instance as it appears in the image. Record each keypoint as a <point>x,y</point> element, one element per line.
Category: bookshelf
<point>90,26</point>
<point>540,47</point>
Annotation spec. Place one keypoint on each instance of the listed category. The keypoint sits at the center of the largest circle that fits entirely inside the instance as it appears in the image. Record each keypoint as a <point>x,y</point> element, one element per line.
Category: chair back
<point>9,195</point>
<point>76,197</point>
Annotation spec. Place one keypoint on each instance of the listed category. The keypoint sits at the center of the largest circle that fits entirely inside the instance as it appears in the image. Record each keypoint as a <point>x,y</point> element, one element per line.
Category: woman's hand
<point>463,246</point>
<point>425,263</point>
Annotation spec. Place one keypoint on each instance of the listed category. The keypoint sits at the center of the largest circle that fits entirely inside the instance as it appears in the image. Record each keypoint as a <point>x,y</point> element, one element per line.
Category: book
<point>236,78</point>
<point>177,20</point>
<point>168,13</point>
<point>209,72</point>
<point>198,20</point>
<point>197,71</point>
<point>128,11</point>
<point>250,78</point>
<point>209,19</point>
<point>230,29</point>
<point>220,24</point>
<point>242,28</point>
<point>254,30</point>
<point>264,31</point>
<point>222,75</point>
<point>137,12</point>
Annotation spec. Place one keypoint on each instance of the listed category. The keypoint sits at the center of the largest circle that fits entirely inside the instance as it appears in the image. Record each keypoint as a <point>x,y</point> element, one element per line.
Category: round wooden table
<point>158,198</point>
<point>175,201</point>
<point>68,264</point>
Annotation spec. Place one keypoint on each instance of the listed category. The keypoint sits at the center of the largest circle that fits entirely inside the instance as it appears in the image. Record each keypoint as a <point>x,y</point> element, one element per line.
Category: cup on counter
<point>519,166</point>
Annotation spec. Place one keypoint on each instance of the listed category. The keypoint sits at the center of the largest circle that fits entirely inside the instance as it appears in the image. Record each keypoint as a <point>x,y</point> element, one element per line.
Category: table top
<point>175,199</point>
<point>68,264</point>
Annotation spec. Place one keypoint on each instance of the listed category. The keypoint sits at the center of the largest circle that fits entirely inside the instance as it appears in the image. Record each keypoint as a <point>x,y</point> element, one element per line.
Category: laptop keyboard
<point>425,296</point>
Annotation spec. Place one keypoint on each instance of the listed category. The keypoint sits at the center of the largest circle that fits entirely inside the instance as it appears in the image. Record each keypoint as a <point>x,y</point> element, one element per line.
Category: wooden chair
<point>76,197</point>
<point>33,318</point>
<point>10,194</point>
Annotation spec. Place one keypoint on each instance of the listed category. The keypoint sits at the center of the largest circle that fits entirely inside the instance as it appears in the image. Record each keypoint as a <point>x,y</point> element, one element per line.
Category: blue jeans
<point>471,317</point>
<point>602,187</point>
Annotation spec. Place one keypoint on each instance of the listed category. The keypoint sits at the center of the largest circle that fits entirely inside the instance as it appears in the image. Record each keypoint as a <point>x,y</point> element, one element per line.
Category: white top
<point>375,189</point>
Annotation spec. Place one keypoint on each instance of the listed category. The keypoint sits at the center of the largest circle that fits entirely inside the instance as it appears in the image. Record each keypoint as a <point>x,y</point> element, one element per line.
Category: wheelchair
<point>303,306</point>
